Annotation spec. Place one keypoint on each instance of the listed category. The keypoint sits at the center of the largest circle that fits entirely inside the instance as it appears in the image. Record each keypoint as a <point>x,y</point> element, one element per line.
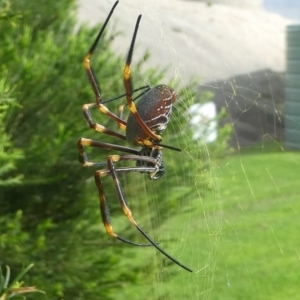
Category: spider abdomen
<point>154,108</point>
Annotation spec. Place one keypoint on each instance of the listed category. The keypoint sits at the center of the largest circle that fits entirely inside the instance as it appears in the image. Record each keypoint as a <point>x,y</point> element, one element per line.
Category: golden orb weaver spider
<point>147,121</point>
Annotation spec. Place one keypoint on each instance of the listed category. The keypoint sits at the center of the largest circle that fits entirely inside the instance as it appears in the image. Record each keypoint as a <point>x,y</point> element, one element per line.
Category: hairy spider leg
<point>83,159</point>
<point>129,90</point>
<point>86,163</point>
<point>96,87</point>
<point>146,87</point>
<point>121,107</point>
<point>97,91</point>
<point>112,159</point>
<point>100,128</point>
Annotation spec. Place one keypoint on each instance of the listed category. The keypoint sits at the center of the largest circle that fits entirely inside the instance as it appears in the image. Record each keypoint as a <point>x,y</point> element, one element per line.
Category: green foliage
<point>9,155</point>
<point>51,217</point>
<point>14,289</point>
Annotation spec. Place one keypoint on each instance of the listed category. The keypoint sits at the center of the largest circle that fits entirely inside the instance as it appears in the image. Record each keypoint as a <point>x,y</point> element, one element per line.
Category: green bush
<point>9,155</point>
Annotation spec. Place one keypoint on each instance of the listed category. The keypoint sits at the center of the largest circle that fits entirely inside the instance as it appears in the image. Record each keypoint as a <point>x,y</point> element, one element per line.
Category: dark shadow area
<point>254,103</point>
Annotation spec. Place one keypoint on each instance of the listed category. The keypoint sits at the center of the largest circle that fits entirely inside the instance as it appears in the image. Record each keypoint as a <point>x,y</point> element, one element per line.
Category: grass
<point>260,246</point>
<point>243,242</point>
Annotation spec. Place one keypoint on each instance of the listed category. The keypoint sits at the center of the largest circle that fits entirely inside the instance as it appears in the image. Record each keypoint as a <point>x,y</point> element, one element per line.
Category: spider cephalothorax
<point>147,120</point>
<point>159,168</point>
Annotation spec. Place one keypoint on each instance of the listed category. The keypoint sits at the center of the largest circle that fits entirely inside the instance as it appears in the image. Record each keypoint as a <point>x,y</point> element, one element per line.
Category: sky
<point>287,8</point>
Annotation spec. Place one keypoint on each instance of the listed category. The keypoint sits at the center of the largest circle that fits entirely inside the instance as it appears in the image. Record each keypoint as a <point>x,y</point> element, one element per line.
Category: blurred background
<point>285,8</point>
<point>227,206</point>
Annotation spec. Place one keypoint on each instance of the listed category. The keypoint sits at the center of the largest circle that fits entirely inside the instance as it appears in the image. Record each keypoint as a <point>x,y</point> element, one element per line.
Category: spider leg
<point>100,128</point>
<point>129,89</point>
<point>97,91</point>
<point>83,159</point>
<point>146,87</point>
<point>86,163</point>
<point>113,171</point>
<point>105,212</point>
<point>104,208</point>
<point>121,107</point>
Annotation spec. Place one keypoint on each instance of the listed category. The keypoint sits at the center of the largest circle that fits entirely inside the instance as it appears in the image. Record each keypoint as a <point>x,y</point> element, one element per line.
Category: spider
<point>147,120</point>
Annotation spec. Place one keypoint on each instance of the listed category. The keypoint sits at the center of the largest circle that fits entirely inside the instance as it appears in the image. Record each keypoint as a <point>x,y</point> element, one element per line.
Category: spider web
<point>225,216</point>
